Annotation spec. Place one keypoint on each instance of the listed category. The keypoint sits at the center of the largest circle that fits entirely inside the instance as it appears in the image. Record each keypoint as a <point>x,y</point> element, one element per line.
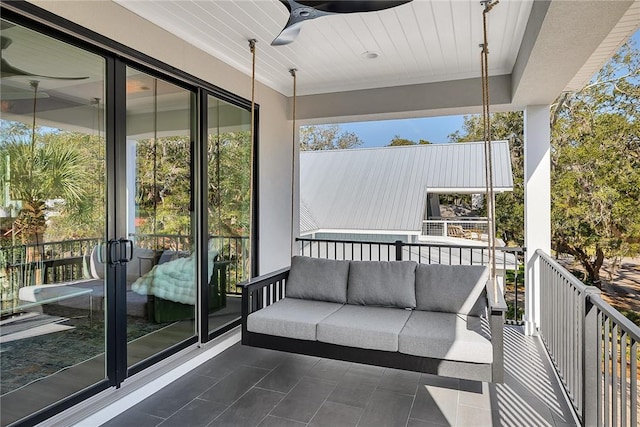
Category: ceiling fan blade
<point>298,13</point>
<point>304,10</point>
<point>8,70</point>
<point>287,35</point>
<point>14,94</point>
<point>352,6</point>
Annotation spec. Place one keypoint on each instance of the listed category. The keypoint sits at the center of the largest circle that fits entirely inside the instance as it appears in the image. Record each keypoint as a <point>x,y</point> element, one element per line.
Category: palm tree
<point>42,169</point>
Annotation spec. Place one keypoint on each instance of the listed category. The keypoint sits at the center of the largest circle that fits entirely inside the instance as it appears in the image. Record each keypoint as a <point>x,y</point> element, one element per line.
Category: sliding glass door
<point>229,198</point>
<point>161,288</point>
<point>52,221</point>
<point>125,217</point>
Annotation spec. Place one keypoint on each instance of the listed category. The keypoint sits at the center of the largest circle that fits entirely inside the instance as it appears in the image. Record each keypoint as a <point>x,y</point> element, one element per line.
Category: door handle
<point>127,248</point>
<point>113,252</point>
<point>101,253</point>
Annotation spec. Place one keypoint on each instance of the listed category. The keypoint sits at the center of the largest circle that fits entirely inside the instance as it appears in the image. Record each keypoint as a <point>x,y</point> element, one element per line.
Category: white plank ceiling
<point>419,42</point>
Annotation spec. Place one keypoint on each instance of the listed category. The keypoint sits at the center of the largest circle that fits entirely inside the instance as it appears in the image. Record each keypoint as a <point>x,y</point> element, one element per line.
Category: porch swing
<point>436,319</point>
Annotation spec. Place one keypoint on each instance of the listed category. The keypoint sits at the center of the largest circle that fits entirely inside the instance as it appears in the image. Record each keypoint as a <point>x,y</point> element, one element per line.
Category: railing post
<point>591,360</point>
<point>398,245</point>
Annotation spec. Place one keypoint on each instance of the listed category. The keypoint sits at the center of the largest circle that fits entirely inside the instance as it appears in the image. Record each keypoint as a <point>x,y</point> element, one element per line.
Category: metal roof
<point>386,188</point>
<point>307,221</point>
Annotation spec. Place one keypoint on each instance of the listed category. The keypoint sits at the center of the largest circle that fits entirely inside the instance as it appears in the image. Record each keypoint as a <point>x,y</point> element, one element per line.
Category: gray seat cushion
<point>451,288</point>
<point>446,336</point>
<point>292,318</point>
<point>382,283</point>
<point>318,279</point>
<point>374,328</point>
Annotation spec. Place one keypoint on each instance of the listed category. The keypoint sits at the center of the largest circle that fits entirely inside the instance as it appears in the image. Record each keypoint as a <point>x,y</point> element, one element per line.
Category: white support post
<point>537,205</point>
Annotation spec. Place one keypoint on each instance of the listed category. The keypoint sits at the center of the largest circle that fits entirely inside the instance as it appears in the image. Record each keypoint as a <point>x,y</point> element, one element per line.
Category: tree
<point>229,183</point>
<point>327,137</point>
<point>42,168</point>
<point>596,166</point>
<point>163,196</point>
<point>509,205</point>
<point>398,141</point>
<point>87,218</point>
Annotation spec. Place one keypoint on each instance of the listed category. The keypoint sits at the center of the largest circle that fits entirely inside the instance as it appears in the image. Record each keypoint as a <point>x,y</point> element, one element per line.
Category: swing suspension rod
<point>293,72</point>
<point>252,49</point>
<point>488,152</point>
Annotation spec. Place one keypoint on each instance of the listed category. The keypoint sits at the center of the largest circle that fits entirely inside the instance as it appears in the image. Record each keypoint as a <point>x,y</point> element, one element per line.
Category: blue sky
<point>378,134</point>
<point>433,129</point>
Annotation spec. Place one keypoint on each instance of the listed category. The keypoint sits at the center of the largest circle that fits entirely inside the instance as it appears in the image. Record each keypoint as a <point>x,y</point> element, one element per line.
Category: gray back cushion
<point>318,279</point>
<point>383,283</point>
<point>451,288</point>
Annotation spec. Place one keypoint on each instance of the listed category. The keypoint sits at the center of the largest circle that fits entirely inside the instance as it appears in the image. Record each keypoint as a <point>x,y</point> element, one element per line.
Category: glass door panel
<point>52,220</point>
<point>229,213</point>
<point>161,290</point>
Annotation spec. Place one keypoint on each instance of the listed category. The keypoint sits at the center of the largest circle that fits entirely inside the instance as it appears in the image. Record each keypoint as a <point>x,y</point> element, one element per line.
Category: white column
<point>537,204</point>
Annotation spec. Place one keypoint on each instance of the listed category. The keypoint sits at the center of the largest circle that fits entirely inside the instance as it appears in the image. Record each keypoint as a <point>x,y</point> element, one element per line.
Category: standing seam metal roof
<point>386,188</point>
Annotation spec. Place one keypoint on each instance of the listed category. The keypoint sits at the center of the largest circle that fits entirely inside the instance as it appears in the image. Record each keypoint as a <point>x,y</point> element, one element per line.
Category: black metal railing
<point>68,260</point>
<point>49,262</point>
<point>594,348</point>
<point>509,260</point>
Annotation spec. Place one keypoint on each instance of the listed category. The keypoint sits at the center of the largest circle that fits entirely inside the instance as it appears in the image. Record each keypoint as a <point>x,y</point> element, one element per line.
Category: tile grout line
<point>124,399</point>
<point>289,392</point>
<point>325,401</point>
<point>192,400</point>
<point>249,389</point>
<point>415,396</point>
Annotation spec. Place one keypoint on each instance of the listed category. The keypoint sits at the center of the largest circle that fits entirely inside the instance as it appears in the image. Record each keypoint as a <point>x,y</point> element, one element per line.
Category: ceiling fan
<point>8,70</point>
<point>302,10</point>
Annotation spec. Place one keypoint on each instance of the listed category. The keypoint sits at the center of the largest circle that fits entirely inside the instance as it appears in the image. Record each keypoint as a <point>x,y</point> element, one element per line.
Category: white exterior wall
<point>125,27</point>
<point>537,204</point>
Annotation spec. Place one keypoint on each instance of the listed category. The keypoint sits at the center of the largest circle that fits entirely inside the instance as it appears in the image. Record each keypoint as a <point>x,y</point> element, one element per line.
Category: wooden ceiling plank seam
<point>453,27</point>
<point>430,33</point>
<point>423,43</point>
<point>342,65</point>
<point>387,48</point>
<point>408,40</point>
<point>218,34</point>
<point>242,46</point>
<point>198,29</point>
<point>445,19</point>
<point>409,48</point>
<point>435,25</point>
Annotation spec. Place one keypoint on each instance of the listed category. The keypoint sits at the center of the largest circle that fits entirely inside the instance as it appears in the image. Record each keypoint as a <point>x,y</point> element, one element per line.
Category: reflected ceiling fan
<point>302,10</point>
<point>8,70</point>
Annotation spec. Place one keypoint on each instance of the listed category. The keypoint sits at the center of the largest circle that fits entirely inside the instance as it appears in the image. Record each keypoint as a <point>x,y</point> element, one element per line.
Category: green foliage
<point>229,183</point>
<point>42,167</point>
<point>397,141</point>
<point>327,137</point>
<point>87,219</point>
<point>509,205</point>
<point>596,166</point>
<point>163,186</point>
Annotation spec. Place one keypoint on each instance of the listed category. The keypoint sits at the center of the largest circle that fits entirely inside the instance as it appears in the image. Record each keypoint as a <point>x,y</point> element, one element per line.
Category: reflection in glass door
<point>52,220</point>
<point>229,208</point>
<point>161,286</point>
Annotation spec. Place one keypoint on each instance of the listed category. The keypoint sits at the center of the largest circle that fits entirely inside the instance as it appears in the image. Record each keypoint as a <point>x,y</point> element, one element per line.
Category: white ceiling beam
<point>420,100</point>
<point>560,38</point>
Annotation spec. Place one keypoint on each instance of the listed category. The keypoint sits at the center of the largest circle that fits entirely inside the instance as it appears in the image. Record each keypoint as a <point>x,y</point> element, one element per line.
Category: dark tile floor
<point>246,386</point>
